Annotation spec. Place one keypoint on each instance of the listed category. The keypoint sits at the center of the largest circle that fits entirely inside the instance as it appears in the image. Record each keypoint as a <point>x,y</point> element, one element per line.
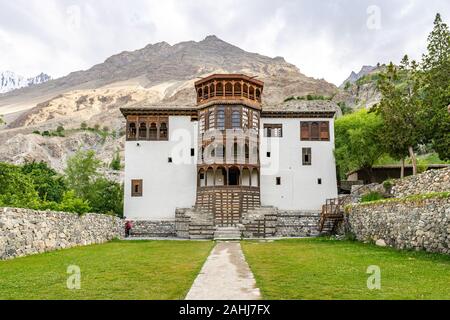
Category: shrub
<point>388,184</point>
<point>115,163</point>
<point>83,126</point>
<point>373,196</point>
<point>37,132</point>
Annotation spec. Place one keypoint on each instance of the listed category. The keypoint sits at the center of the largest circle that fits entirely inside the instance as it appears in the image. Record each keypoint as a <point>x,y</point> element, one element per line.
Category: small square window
<point>319,181</point>
<point>192,152</point>
<point>170,160</point>
<point>136,188</point>
<point>306,155</point>
<point>269,154</point>
<point>278,181</point>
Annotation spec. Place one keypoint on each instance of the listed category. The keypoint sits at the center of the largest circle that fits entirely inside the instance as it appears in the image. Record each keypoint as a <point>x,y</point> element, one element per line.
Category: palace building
<point>226,160</point>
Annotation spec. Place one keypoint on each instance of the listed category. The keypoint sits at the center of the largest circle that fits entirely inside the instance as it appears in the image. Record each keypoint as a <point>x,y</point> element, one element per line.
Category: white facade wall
<point>299,189</point>
<point>166,186</point>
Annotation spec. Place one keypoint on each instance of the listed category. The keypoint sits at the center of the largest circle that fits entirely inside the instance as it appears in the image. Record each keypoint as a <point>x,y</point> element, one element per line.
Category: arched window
<point>219,89</point>
<point>163,132</point>
<point>234,176</point>
<point>246,177</point>
<point>153,132</point>
<point>132,131</point>
<point>236,120</point>
<point>201,178</point>
<point>228,89</point>
<point>258,94</point>
<point>252,93</point>
<point>212,90</point>
<point>221,119</point>
<point>245,93</point>
<point>255,178</point>
<point>247,152</point>
<point>200,93</point>
<point>143,130</point>
<point>315,131</point>
<point>206,93</point>
<point>237,89</point>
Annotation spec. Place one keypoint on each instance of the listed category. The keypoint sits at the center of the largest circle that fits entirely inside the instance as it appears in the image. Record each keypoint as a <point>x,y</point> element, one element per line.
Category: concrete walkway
<point>225,276</point>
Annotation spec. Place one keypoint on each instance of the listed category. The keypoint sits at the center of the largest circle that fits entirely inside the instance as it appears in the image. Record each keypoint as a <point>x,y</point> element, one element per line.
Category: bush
<point>37,132</point>
<point>70,203</point>
<point>388,184</point>
<point>373,196</point>
<point>83,126</point>
<point>16,188</point>
<point>115,163</point>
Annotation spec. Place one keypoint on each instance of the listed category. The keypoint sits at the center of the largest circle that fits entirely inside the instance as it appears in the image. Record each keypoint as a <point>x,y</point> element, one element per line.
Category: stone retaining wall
<point>154,229</point>
<point>429,181</point>
<point>298,224</point>
<point>25,232</point>
<point>403,224</point>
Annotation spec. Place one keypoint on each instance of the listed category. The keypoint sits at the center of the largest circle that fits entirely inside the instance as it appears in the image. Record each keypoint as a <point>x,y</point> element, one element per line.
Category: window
<point>245,118</point>
<point>132,131</point>
<point>315,131</point>
<point>153,131</point>
<point>202,123</point>
<point>221,119</point>
<point>236,120</point>
<point>192,152</point>
<point>306,155</point>
<point>163,132</point>
<point>315,135</point>
<point>136,188</point>
<point>143,131</point>
<point>273,130</point>
<point>324,131</point>
<point>211,120</point>
<point>170,160</point>
<point>319,181</point>
<point>268,154</point>
<point>278,181</point>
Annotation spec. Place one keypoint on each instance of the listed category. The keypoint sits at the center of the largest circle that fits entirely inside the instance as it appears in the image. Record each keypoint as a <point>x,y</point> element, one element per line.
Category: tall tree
<point>401,110</point>
<point>358,141</point>
<point>436,78</point>
<point>81,172</point>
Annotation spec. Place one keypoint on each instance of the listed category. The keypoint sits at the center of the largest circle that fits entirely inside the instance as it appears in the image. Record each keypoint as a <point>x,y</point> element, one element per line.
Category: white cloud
<point>325,39</point>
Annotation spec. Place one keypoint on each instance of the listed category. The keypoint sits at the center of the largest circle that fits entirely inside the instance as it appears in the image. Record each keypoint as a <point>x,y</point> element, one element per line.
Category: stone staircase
<point>228,233</point>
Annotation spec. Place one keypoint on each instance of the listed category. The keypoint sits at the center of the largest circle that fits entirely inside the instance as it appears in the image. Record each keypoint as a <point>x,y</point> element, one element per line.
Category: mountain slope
<point>159,73</point>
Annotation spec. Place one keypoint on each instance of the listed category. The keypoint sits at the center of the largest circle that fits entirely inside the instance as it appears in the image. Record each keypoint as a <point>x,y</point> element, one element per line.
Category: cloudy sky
<point>325,39</point>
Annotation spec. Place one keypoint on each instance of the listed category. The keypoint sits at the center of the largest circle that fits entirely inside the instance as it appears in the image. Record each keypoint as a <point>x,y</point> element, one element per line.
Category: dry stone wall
<point>429,181</point>
<point>403,224</point>
<point>25,232</point>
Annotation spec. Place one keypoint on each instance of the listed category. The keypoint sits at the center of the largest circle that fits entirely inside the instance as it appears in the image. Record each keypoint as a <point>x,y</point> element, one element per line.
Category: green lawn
<point>151,270</point>
<point>326,269</point>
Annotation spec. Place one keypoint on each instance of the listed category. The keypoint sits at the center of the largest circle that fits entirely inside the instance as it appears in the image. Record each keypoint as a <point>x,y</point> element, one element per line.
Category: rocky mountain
<point>10,81</point>
<point>360,89</point>
<point>159,73</point>
<point>365,70</point>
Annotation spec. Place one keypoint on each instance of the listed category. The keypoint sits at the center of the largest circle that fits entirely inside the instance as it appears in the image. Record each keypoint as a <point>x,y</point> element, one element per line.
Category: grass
<point>325,269</point>
<point>149,270</point>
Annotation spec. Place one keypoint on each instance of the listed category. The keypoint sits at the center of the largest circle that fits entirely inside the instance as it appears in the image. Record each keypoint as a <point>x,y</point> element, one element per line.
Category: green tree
<point>81,172</point>
<point>47,182</point>
<point>436,75</point>
<point>16,188</point>
<point>401,110</point>
<point>106,197</point>
<point>358,143</point>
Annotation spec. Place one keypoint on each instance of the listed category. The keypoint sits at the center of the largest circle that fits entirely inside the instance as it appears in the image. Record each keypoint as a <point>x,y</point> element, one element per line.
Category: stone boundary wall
<point>26,232</point>
<point>153,229</point>
<point>298,224</point>
<point>429,181</point>
<point>403,224</point>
